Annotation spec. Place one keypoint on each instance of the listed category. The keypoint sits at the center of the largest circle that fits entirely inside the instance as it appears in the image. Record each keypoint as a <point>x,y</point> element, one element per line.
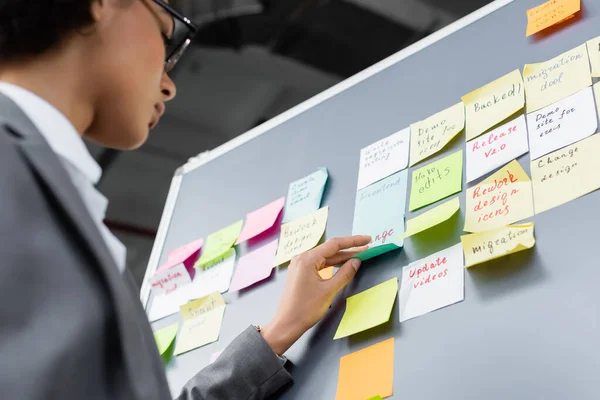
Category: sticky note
<point>260,220</point>
<point>163,305</point>
<point>254,267</point>
<point>304,195</point>
<point>379,211</point>
<point>383,158</point>
<point>164,337</point>
<point>436,180</point>
<point>368,309</point>
<point>432,283</point>
<point>547,82</point>
<point>566,174</point>
<point>214,276</point>
<point>550,13</point>
<point>562,123</point>
<point>493,103</point>
<point>485,246</point>
<point>186,255</point>
<point>431,218</point>
<point>169,280</point>
<point>376,398</point>
<point>597,96</point>
<point>219,242</point>
<point>501,199</point>
<point>593,48</point>
<point>326,273</point>
<point>368,372</point>
<point>497,147</point>
<point>431,135</point>
<point>202,321</point>
<point>300,235</point>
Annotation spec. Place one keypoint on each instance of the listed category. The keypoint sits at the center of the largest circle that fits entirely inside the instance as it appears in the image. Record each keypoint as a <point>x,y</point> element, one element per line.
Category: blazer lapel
<point>51,173</point>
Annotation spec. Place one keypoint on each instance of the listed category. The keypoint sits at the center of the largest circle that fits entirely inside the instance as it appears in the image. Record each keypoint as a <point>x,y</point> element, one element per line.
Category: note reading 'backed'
<point>493,103</point>
<point>300,235</point>
<point>437,180</point>
<point>550,13</point>
<point>485,246</point>
<point>431,135</point>
<point>547,82</point>
<point>566,174</point>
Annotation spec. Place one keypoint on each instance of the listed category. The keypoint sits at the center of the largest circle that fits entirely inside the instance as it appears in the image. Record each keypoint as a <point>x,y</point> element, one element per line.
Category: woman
<point>72,327</point>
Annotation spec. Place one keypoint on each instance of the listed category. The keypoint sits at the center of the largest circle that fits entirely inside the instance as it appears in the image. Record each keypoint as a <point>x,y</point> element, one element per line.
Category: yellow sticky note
<point>486,246</point>
<point>368,309</point>
<point>491,104</point>
<point>436,180</point>
<point>164,337</point>
<point>219,242</point>
<point>593,48</point>
<point>202,321</point>
<point>503,198</point>
<point>300,235</point>
<point>547,82</point>
<point>368,372</point>
<point>596,88</point>
<point>431,218</point>
<point>566,174</point>
<point>550,13</point>
<point>431,135</point>
<point>326,273</point>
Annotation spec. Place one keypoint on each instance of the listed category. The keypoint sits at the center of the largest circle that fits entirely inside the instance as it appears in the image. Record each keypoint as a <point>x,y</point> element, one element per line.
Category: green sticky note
<point>219,243</point>
<point>377,251</point>
<point>376,398</point>
<point>431,218</point>
<point>436,181</point>
<point>368,309</point>
<point>164,337</point>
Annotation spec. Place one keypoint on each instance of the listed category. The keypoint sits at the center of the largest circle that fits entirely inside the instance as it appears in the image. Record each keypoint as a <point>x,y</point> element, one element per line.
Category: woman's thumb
<point>345,274</point>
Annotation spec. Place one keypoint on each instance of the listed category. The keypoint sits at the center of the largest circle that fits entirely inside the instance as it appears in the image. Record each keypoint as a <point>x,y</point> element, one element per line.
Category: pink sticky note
<point>181,255</point>
<point>260,220</point>
<point>254,267</point>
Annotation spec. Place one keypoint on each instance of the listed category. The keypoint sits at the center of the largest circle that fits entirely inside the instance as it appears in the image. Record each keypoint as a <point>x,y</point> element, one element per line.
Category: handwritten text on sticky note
<point>300,235</point>
<point>383,158</point>
<point>429,136</point>
<point>550,13</point>
<point>485,246</point>
<point>491,104</point>
<point>169,280</point>
<point>436,180</point>
<point>202,321</point>
<point>305,195</point>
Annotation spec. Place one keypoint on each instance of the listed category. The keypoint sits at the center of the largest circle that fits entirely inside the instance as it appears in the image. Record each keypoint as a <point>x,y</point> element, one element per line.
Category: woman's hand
<point>307,296</point>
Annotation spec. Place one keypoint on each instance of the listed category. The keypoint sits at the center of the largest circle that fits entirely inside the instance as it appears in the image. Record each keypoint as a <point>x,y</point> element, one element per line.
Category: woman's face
<point>126,61</point>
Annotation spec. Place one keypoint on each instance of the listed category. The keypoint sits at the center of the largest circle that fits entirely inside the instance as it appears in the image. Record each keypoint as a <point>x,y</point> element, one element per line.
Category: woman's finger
<point>333,246</point>
<point>343,256</point>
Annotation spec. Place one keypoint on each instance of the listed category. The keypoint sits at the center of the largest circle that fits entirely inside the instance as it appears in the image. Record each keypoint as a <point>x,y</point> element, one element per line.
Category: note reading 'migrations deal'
<point>550,13</point>
<point>169,280</point>
<point>366,373</point>
<point>368,309</point>
<point>547,82</point>
<point>497,147</point>
<point>219,243</point>
<point>304,195</point>
<point>379,213</point>
<point>383,158</point>
<point>432,283</point>
<point>300,235</point>
<point>437,180</point>
<point>491,104</point>
<point>566,174</point>
<point>202,321</point>
<point>562,123</point>
<point>485,246</point>
<point>431,135</point>
<point>501,199</point>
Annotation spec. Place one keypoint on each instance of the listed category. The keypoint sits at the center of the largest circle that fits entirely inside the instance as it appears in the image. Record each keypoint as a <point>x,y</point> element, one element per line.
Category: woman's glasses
<point>183,32</point>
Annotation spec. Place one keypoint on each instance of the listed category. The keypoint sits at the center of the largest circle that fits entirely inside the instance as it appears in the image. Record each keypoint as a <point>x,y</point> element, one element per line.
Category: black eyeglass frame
<point>180,45</point>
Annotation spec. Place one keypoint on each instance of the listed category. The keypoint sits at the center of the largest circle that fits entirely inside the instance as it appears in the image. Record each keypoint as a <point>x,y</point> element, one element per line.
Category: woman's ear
<point>98,9</point>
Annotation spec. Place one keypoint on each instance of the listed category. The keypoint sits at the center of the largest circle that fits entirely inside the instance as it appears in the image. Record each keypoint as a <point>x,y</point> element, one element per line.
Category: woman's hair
<point>31,27</point>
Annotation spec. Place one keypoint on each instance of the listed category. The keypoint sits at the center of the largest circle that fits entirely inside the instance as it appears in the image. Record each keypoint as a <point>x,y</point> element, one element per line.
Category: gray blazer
<point>71,326</point>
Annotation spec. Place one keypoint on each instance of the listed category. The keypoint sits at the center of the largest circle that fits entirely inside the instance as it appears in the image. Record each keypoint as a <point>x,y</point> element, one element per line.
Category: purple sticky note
<point>182,255</point>
<point>254,267</point>
<point>260,220</point>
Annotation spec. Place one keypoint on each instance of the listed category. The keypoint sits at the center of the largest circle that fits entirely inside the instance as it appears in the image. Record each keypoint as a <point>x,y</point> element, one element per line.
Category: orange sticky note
<point>367,373</point>
<point>326,273</point>
<point>550,13</point>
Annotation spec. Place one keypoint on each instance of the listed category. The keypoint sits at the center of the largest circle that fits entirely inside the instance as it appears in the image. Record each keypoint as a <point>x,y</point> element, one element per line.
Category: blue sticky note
<point>379,212</point>
<point>304,195</point>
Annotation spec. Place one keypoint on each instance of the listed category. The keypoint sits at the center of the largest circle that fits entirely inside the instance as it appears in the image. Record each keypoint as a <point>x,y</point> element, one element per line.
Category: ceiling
<point>250,61</point>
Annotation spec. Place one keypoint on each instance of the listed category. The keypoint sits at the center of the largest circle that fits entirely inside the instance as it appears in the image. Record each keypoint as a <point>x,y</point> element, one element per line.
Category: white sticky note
<point>563,123</point>
<point>432,283</point>
<point>496,148</point>
<point>383,158</point>
<point>170,280</point>
<point>163,305</point>
<point>214,277</point>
